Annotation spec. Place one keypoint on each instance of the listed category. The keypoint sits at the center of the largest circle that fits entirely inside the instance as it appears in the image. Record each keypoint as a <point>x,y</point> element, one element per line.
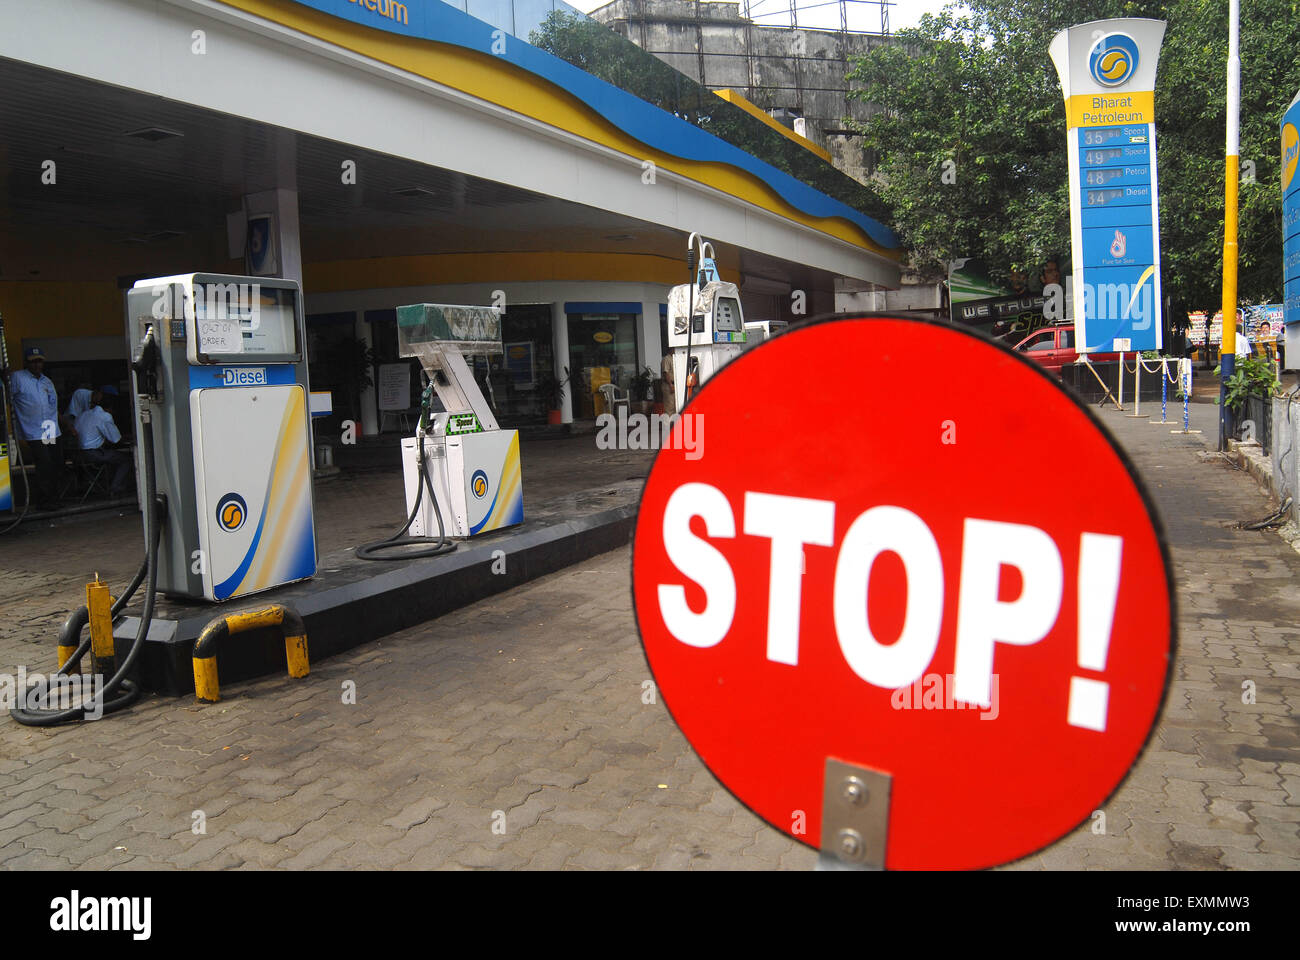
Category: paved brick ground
<point>509,734</point>
<point>512,734</point>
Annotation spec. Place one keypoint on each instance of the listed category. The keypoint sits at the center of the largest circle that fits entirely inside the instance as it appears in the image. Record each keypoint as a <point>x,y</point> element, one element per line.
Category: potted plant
<point>1249,391</point>
<point>551,389</point>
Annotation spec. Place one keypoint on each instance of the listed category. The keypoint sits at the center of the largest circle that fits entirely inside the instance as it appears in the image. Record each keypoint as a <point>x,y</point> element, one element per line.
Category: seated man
<point>97,434</point>
<point>78,405</point>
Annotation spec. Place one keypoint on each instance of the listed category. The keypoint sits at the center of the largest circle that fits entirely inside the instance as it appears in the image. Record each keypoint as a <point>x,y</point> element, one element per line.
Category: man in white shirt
<point>98,436</point>
<point>36,409</point>
<point>1243,341</point>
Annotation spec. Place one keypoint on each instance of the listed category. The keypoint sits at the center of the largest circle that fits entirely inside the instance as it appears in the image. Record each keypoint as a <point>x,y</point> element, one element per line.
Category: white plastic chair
<point>403,418</point>
<point>612,398</point>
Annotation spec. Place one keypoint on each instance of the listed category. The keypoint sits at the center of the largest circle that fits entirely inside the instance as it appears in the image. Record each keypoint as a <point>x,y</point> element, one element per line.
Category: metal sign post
<point>1137,387</point>
<point>1164,392</point>
<point>1185,377</point>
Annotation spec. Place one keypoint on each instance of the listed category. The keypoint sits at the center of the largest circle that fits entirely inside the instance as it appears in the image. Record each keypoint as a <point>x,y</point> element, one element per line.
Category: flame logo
<point>1112,65</point>
<point>478,483</point>
<point>232,511</point>
<point>1113,59</point>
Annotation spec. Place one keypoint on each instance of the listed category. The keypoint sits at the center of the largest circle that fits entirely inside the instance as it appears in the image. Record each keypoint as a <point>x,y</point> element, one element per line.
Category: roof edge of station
<point>554,105</point>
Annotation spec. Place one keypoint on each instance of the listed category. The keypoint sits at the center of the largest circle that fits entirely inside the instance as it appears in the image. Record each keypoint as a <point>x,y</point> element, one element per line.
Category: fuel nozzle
<point>145,364</point>
<point>426,407</point>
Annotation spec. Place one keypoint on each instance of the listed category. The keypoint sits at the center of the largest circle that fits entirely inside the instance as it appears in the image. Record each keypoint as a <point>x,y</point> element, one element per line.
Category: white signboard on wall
<point>394,386</point>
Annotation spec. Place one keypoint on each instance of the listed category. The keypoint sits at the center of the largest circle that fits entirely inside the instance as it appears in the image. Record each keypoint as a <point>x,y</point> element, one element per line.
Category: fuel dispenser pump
<point>221,380</point>
<point>706,328</point>
<point>468,466</point>
<point>757,331</point>
<point>11,455</point>
<point>218,365</point>
<point>472,463</point>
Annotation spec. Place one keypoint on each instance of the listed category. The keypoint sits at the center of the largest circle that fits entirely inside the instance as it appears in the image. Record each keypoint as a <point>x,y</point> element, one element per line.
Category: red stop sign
<point>900,546</point>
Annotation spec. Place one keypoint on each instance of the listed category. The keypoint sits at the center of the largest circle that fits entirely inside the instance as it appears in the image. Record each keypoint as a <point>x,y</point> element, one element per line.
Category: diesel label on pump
<point>243,376</point>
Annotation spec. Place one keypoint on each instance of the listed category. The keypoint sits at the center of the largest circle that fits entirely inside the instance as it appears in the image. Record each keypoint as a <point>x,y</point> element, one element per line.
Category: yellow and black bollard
<point>206,686</point>
<point>70,635</point>
<point>99,605</point>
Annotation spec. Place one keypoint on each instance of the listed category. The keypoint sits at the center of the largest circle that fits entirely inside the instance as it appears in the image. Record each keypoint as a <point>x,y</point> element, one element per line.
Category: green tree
<point>976,86</point>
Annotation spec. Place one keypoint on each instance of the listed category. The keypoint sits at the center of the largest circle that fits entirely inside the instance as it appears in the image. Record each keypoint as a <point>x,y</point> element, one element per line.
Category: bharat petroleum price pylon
<point>1108,72</point>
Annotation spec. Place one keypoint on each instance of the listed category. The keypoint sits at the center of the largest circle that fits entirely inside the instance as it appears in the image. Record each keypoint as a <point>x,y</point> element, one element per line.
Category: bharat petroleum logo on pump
<point>232,511</point>
<point>478,483</point>
<point>1113,59</point>
<point>1290,154</point>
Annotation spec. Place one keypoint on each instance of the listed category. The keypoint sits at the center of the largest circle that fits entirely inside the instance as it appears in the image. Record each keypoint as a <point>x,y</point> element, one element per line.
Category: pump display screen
<point>245,319</point>
<point>726,314</point>
<point>1098,197</point>
<point>1108,155</point>
<point>1096,178</point>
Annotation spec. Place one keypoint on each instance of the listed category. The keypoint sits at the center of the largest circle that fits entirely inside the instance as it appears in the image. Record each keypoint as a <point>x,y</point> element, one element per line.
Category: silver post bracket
<point>855,817</point>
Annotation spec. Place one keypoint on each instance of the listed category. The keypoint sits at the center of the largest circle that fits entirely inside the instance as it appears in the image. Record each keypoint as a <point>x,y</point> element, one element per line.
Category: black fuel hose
<point>153,515</point>
<point>430,546</point>
<point>687,391</point>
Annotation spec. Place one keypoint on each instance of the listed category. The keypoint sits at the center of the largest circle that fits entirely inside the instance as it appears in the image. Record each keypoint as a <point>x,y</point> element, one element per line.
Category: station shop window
<point>602,349</point>
<point>527,357</point>
<point>337,361</point>
<point>383,339</point>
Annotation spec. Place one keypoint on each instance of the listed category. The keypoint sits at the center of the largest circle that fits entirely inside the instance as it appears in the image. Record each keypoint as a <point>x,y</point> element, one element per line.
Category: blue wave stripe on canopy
<point>437,21</point>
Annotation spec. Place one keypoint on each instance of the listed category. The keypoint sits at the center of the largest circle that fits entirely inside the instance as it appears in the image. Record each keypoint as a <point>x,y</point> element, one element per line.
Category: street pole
<point>1228,341</point>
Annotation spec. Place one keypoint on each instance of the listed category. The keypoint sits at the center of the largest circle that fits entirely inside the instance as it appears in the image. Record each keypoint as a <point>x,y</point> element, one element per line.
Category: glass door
<point>602,349</point>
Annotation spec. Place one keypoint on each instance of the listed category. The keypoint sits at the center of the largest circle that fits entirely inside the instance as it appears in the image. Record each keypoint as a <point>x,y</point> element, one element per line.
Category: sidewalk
<point>1219,785</point>
<point>514,734</point>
